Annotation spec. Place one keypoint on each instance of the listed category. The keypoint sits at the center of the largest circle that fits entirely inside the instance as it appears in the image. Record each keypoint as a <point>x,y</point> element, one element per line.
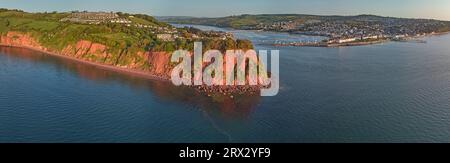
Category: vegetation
<point>242,21</point>
<point>300,20</point>
<point>52,33</point>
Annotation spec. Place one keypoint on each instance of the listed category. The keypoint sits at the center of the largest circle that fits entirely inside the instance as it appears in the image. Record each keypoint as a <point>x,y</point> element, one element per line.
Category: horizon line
<point>343,15</point>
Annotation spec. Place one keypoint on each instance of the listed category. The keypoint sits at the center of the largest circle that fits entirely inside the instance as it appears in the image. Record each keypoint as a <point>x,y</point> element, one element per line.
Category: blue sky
<point>437,9</point>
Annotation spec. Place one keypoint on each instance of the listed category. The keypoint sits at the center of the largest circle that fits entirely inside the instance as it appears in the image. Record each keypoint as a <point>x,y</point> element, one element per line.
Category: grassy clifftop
<point>51,32</point>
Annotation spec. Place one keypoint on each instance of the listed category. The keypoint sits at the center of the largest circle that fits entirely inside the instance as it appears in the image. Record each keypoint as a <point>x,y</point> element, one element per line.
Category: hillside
<point>124,40</point>
<point>331,26</point>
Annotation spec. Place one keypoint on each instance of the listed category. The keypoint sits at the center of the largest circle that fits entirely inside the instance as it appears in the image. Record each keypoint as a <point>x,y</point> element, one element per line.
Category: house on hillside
<point>165,37</point>
<point>91,17</point>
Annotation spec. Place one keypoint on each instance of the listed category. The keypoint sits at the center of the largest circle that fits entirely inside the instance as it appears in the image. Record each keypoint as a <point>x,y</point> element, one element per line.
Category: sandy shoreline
<point>138,73</point>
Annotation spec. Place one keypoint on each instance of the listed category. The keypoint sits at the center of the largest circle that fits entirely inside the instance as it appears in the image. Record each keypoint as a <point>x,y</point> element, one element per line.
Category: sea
<point>394,92</point>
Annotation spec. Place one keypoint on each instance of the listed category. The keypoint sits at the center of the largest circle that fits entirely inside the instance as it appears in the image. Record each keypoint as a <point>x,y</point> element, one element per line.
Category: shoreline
<point>333,45</point>
<point>208,91</point>
<point>137,73</point>
<point>319,44</point>
<point>360,43</point>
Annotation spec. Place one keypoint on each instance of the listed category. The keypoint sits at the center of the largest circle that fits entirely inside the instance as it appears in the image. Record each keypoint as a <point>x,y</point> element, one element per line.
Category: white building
<point>165,37</point>
<point>347,40</point>
<point>370,37</point>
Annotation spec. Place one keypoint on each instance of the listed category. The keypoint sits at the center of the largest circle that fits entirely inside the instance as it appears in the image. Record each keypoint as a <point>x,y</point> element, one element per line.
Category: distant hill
<point>322,25</point>
<point>247,20</point>
<point>166,18</point>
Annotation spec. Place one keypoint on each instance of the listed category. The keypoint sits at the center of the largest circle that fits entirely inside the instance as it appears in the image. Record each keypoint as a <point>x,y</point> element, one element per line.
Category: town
<point>365,29</point>
<point>339,30</point>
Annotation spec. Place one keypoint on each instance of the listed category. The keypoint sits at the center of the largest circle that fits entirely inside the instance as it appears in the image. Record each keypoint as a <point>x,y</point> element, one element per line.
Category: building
<point>121,21</point>
<point>94,15</point>
<point>346,40</point>
<point>91,17</point>
<point>165,37</point>
<point>370,37</point>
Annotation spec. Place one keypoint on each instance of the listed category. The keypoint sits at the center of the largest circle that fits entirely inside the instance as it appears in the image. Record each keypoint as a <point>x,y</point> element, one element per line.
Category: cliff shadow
<point>240,106</point>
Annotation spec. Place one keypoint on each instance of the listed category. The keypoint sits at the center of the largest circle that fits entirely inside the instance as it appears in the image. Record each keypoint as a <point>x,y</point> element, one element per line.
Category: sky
<point>434,9</point>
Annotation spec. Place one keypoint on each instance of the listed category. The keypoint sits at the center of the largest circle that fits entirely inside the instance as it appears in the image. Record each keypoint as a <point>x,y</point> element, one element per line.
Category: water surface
<point>391,92</point>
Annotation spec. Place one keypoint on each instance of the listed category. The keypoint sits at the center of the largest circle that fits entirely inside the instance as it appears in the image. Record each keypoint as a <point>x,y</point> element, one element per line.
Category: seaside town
<point>338,30</point>
<point>164,33</point>
<point>355,32</point>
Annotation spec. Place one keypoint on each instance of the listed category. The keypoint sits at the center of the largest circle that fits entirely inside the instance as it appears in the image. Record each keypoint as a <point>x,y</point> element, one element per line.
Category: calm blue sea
<point>391,92</point>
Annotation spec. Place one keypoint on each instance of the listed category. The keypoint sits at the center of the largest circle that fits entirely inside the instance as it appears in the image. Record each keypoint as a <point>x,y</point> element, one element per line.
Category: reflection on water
<point>238,107</point>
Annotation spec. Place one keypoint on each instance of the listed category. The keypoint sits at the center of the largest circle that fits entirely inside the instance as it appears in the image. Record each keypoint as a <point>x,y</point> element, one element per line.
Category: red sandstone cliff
<point>159,61</point>
<point>97,53</point>
<point>18,39</point>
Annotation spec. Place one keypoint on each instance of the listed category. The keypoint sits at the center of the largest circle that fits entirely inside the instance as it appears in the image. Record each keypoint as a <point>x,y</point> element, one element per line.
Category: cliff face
<point>88,51</point>
<point>154,63</point>
<point>160,63</point>
<point>18,39</point>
